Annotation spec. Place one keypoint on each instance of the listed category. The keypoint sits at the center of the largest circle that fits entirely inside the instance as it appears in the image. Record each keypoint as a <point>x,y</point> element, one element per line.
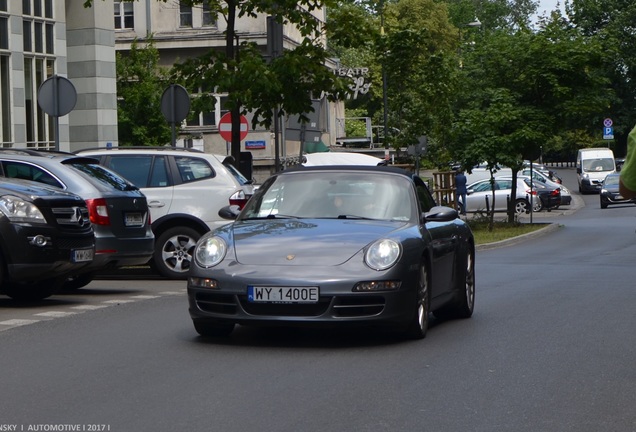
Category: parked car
<point>609,193</point>
<point>285,260</point>
<point>45,235</point>
<point>117,209</point>
<point>480,196</point>
<point>549,180</point>
<point>550,195</point>
<point>185,190</point>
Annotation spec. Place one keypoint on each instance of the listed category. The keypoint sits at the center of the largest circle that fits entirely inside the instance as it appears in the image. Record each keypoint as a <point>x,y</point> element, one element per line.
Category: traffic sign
<point>225,127</point>
<point>608,122</point>
<point>608,133</point>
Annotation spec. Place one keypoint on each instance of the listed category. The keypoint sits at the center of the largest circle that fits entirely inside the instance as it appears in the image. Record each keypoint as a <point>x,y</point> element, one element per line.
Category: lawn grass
<point>500,231</point>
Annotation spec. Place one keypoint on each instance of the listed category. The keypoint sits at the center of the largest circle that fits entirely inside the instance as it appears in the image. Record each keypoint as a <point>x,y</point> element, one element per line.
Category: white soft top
<point>341,158</point>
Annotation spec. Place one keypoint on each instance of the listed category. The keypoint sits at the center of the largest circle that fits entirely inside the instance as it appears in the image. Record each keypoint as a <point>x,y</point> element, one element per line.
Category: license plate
<point>282,294</point>
<point>82,255</point>
<point>134,219</point>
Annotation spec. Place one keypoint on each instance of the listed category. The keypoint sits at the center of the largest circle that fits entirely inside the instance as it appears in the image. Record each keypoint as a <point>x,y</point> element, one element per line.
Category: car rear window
<point>102,175</point>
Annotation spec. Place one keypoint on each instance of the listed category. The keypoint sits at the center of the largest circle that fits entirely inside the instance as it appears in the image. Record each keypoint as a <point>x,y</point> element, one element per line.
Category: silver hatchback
<point>118,210</point>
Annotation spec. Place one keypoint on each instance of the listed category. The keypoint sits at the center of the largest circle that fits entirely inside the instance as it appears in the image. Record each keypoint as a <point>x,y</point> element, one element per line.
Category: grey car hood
<point>307,242</point>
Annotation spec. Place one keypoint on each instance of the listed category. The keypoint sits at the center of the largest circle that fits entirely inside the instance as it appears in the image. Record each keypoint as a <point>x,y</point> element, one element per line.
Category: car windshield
<point>611,180</point>
<point>344,195</point>
<point>604,164</point>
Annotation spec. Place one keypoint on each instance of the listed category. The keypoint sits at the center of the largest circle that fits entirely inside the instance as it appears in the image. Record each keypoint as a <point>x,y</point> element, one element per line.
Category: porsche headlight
<point>210,251</point>
<point>383,254</point>
<point>18,210</point>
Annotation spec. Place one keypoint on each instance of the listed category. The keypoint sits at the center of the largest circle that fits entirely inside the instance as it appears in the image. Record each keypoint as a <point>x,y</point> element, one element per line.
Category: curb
<point>515,240</point>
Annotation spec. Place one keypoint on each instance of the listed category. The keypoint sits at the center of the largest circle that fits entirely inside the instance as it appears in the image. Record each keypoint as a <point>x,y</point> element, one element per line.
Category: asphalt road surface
<point>551,347</point>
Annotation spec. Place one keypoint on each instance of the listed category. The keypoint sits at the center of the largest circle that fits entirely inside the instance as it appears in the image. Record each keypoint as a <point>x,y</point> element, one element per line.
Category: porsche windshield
<point>345,195</point>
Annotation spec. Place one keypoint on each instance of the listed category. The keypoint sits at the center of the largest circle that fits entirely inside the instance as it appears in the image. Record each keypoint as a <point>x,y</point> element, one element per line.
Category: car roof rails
<point>33,151</point>
<point>160,148</point>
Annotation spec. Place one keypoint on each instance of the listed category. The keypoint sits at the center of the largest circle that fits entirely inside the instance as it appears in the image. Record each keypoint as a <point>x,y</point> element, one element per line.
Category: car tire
<point>418,324</point>
<point>521,206</point>
<point>173,252</point>
<point>603,205</point>
<point>76,282</point>
<point>32,291</point>
<point>213,328</point>
<point>538,206</point>
<point>464,305</point>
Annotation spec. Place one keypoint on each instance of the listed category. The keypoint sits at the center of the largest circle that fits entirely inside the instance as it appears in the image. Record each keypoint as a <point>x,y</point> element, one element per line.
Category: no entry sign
<point>225,127</point>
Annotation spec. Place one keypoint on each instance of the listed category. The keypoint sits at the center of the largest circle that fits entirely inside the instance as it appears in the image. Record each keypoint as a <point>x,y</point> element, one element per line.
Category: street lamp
<point>474,24</point>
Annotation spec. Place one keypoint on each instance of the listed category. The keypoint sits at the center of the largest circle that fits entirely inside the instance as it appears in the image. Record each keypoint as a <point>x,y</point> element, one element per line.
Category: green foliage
<point>140,85</point>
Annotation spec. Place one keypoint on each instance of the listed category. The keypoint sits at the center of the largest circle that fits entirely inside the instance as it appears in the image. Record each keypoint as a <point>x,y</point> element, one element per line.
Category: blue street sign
<point>608,133</point>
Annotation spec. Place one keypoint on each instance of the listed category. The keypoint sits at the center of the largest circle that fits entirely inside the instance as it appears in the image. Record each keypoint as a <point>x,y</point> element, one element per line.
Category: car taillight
<point>98,211</point>
<point>556,192</point>
<point>531,192</point>
<point>239,198</point>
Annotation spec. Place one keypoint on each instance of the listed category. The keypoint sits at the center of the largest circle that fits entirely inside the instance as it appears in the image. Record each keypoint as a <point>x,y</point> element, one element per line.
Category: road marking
<point>118,301</point>
<point>18,322</point>
<point>89,307</point>
<point>55,314</point>
<point>144,297</point>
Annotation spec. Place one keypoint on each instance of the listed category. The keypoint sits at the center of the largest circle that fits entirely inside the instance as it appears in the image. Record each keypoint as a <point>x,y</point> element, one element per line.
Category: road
<point>551,347</point>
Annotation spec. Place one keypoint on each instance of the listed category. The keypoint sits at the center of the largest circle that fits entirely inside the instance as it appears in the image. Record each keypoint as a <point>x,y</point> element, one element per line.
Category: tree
<point>526,91</point>
<point>612,23</point>
<point>287,83</point>
<point>140,85</point>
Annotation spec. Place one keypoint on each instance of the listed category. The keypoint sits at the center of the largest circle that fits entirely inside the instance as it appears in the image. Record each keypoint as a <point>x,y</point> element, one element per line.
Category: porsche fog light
<point>210,251</point>
<point>197,282</point>
<point>382,254</point>
<point>377,286</point>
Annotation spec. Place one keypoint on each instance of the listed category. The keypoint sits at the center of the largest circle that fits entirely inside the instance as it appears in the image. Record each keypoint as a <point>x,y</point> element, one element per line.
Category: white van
<point>592,165</point>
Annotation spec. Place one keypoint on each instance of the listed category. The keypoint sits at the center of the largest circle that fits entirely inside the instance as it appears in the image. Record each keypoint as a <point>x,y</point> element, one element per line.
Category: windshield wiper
<point>348,216</point>
<point>272,216</point>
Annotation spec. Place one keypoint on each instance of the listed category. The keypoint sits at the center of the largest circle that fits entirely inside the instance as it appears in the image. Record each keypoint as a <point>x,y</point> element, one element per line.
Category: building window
<point>124,15</point>
<point>205,117</point>
<point>39,127</point>
<point>5,108</point>
<point>38,33</point>
<point>207,19</point>
<point>185,16</point>
<point>4,32</point>
<point>3,5</point>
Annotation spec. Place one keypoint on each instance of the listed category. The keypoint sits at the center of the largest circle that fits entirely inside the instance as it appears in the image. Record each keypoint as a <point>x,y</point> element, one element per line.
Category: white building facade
<point>42,38</point>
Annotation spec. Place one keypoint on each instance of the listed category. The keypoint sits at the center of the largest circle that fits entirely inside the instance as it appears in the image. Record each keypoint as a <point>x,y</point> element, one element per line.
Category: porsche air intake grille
<point>358,306</point>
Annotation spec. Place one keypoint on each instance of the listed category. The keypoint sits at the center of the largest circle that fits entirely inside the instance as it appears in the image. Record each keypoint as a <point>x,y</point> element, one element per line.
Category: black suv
<point>45,235</point>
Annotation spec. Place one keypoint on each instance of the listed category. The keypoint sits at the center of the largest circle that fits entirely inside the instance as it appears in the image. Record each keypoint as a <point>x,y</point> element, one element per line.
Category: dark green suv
<point>45,235</point>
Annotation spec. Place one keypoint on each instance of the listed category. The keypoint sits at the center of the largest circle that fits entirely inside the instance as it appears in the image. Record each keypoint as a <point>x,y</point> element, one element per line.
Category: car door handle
<point>156,204</point>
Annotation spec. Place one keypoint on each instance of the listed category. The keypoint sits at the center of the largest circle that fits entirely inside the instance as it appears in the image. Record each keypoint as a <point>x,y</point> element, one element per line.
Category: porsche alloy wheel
<point>419,323</point>
<point>464,304</point>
